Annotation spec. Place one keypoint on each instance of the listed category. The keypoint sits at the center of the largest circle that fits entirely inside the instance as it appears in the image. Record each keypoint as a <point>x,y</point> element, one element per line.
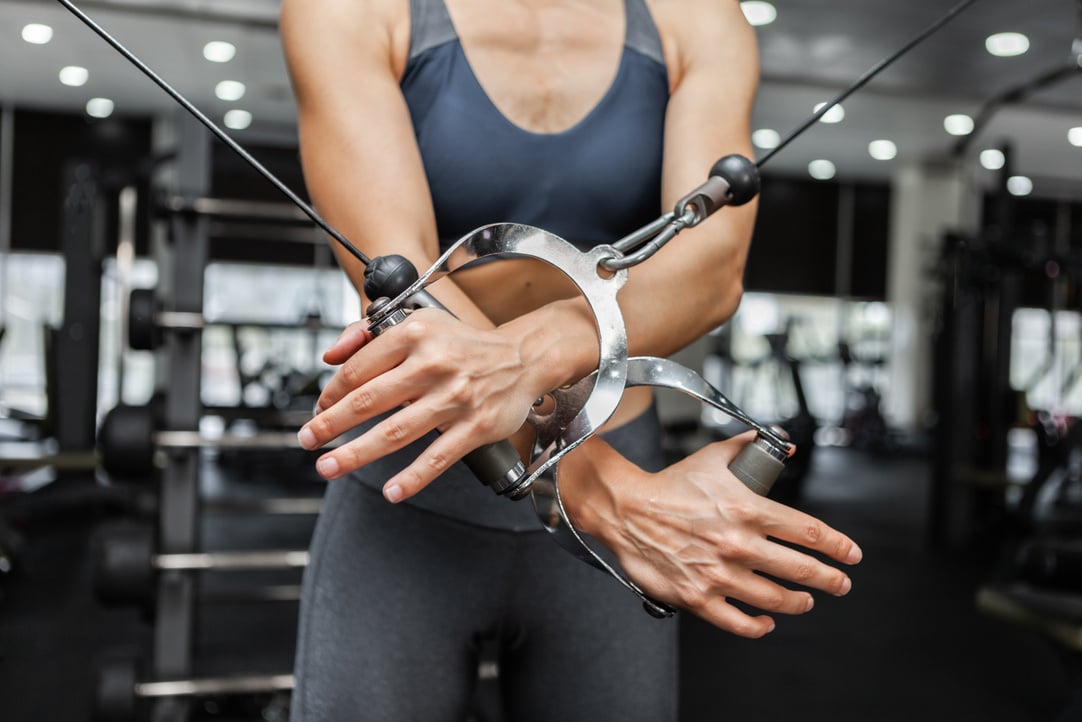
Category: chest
<point>543,65</point>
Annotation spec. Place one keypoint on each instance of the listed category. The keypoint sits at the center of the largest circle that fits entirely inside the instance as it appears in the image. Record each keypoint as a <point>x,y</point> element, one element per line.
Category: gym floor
<point>906,644</point>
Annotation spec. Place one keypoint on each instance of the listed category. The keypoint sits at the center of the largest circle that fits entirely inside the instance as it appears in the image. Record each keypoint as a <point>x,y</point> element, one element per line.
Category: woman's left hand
<point>694,536</point>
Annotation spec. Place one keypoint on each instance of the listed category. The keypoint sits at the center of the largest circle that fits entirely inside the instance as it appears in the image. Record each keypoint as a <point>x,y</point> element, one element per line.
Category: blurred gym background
<point>912,317</point>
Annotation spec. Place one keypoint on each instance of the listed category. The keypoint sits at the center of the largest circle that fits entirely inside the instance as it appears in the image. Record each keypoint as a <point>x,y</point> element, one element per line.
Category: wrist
<point>587,488</point>
<point>559,341</point>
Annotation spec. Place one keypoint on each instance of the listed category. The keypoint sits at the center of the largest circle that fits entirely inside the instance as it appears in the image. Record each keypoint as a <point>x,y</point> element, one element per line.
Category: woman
<point>420,120</point>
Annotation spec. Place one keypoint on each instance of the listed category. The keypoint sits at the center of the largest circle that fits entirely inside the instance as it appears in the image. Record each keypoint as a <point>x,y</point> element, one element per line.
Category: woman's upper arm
<point>709,112</point>
<point>360,159</point>
<point>695,283</point>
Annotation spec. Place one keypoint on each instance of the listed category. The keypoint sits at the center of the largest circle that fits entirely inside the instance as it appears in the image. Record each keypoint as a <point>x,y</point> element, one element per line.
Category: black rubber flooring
<point>906,644</point>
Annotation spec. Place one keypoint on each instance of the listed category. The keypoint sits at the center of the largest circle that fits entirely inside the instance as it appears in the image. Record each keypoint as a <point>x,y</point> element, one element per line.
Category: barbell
<point>147,318</point>
<point>128,439</point>
<point>126,567</point>
<point>120,693</point>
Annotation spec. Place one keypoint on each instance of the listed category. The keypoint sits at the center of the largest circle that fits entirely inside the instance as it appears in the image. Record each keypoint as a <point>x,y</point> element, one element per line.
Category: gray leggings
<point>398,599</point>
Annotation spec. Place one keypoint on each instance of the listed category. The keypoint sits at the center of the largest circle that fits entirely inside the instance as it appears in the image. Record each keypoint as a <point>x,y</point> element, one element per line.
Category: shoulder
<point>373,28</point>
<point>718,35</point>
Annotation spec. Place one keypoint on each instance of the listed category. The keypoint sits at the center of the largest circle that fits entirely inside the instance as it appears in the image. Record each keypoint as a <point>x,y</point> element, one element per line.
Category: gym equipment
<point>1053,614</point>
<point>75,343</point>
<point>1051,563</point>
<point>126,567</point>
<point>578,411</point>
<point>120,694</point>
<point>127,441</point>
<point>862,418</point>
<point>147,319</point>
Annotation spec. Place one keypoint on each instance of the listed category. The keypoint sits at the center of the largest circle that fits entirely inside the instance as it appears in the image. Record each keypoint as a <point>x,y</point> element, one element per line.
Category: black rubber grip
<point>492,462</point>
<point>757,468</point>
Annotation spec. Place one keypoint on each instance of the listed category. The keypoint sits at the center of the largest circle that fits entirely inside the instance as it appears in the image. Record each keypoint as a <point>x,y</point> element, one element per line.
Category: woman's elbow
<point>727,301</point>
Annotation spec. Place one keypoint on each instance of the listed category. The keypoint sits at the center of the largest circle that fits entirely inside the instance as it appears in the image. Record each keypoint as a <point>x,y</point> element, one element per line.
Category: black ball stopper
<point>742,176</point>
<point>388,276</point>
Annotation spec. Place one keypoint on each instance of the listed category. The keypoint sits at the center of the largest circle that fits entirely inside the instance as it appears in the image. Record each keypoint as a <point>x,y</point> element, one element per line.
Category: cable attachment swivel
<point>733,181</point>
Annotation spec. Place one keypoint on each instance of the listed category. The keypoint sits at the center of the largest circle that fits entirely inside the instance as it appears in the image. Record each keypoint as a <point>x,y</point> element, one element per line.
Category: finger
<point>729,448</point>
<point>767,594</point>
<point>391,434</point>
<point>807,531</point>
<point>448,448</point>
<point>719,612</point>
<point>348,343</point>
<point>795,566</point>
<point>358,406</point>
<point>376,357</point>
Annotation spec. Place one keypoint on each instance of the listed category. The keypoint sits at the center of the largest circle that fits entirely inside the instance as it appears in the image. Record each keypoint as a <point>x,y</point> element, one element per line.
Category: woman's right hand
<point>432,372</point>
<point>694,536</point>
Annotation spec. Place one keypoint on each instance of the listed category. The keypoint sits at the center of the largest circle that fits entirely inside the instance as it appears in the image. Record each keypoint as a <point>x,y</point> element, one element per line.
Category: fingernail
<point>306,438</point>
<point>317,409</point>
<point>771,627</point>
<point>393,493</point>
<point>810,604</point>
<point>847,584</point>
<point>855,555</point>
<point>327,467</point>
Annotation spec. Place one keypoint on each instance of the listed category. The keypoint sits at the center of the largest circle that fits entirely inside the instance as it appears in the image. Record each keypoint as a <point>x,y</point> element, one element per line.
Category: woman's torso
<point>558,124</point>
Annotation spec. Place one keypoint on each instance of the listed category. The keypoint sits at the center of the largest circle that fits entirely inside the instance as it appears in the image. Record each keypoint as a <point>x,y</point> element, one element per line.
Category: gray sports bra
<point>592,183</point>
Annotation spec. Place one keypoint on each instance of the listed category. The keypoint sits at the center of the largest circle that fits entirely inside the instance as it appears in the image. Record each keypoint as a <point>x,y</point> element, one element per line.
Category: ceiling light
<point>99,107</point>
<point>37,34</point>
<point>766,138</point>
<point>1074,136</point>
<point>74,75</point>
<point>1019,185</point>
<point>758,12</point>
<point>1006,45</point>
<point>883,149</point>
<point>229,90</point>
<point>238,119</point>
<point>958,124</point>
<point>993,159</point>
<point>821,169</point>
<point>219,51</point>
<point>834,115</point>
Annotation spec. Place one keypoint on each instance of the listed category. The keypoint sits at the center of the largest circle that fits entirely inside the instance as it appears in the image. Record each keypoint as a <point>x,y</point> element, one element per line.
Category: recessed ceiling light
<point>883,149</point>
<point>74,75</point>
<point>958,124</point>
<point>993,159</point>
<point>1074,136</point>
<point>758,12</point>
<point>821,169</point>
<point>230,90</point>
<point>219,51</point>
<point>1006,45</point>
<point>237,119</point>
<point>37,34</point>
<point>834,115</point>
<point>766,138</point>
<point>1019,185</point>
<point>99,107</point>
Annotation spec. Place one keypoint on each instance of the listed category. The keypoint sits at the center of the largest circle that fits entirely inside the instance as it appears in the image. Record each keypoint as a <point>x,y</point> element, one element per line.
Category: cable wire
<point>863,80</point>
<point>221,134</point>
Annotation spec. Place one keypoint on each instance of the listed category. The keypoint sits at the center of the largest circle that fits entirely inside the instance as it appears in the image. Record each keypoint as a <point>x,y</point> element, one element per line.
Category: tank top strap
<point>430,25</point>
<point>642,33</point>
